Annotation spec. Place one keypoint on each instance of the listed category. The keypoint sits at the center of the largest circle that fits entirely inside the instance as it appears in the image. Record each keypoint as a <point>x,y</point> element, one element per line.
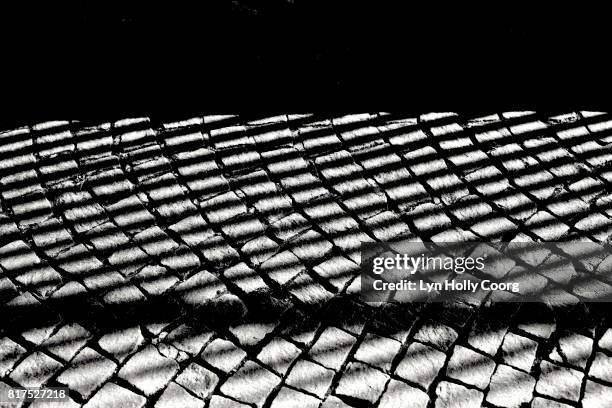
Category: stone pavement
<point>212,262</point>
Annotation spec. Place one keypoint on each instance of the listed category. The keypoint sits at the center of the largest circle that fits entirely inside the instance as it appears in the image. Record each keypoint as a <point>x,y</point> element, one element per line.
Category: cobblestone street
<point>214,262</point>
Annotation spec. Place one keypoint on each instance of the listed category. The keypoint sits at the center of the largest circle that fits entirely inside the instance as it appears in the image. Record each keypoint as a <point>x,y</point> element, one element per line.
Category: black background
<point>100,60</point>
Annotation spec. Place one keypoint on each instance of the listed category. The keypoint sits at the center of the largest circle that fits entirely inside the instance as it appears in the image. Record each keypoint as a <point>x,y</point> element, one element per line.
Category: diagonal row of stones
<point>265,218</point>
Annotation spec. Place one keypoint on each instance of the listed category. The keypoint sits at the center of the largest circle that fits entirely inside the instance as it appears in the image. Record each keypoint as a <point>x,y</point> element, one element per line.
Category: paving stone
<point>308,291</point>
<point>78,260</point>
<point>332,348</point>
<point>330,217</point>
<point>363,382</point>
<point>304,188</point>
<point>398,393</point>
<point>35,370</point>
<point>200,289</point>
<point>155,280</point>
<point>470,367</point>
<point>337,271</point>
<point>17,256</point>
<point>88,370</point>
<point>221,402</point>
<point>601,367</point>
<point>41,328</point>
<point>597,395</point>
<point>436,334</point>
<point>450,395</point>
<point>10,353</point>
<point>193,230</point>
<point>110,184</point>
<point>539,402</point>
<point>289,398</point>
<point>243,229</point>
<point>605,341</point>
<point>223,354</point>
<point>510,387</point>
<point>112,396</point>
<point>51,237</point>
<point>128,295</point>
<point>310,377</point>
<point>519,351</point>
<point>249,334</point>
<point>310,246</point>
<point>155,242</point>
<point>7,290</point>
<point>103,280</point>
<point>240,160</point>
<point>574,349</point>
<point>122,343</point>
<point>218,252</point>
<point>176,396</point>
<point>41,279</point>
<point>131,215</point>
<point>278,354</point>
<point>378,351</point>
<point>189,338</point>
<point>289,226</point>
<point>138,370</point>
<point>259,250</point>
<point>282,267</point>
<point>223,207</point>
<point>67,341</point>
<point>559,382</point>
<point>198,380</point>
<point>387,226</point>
<point>421,364</point>
<point>170,203</point>
<point>251,384</point>
<point>181,261</point>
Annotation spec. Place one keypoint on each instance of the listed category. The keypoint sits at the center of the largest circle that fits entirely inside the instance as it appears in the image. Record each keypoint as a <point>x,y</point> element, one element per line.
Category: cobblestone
<point>251,384</point>
<point>470,367</point>
<point>510,387</point>
<point>213,262</point>
<point>310,377</point>
<point>148,370</point>
<point>112,395</point>
<point>363,382</point>
<point>87,372</point>
<point>559,382</point>
<point>450,395</point>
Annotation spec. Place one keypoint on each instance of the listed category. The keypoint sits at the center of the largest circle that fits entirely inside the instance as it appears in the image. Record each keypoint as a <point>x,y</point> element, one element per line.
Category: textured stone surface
<point>198,380</point>
<point>87,372</point>
<point>112,395</point>
<point>155,264</point>
<point>35,370</point>
<point>311,377</point>
<point>363,382</point>
<point>510,387</point>
<point>223,354</point>
<point>519,352</point>
<point>10,353</point>
<point>174,396</point>
<point>148,370</point>
<point>421,364</point>
<point>399,393</point>
<point>251,384</point>
<point>556,381</point>
<point>122,343</point>
<point>450,395</point>
<point>289,398</point>
<point>332,348</point>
